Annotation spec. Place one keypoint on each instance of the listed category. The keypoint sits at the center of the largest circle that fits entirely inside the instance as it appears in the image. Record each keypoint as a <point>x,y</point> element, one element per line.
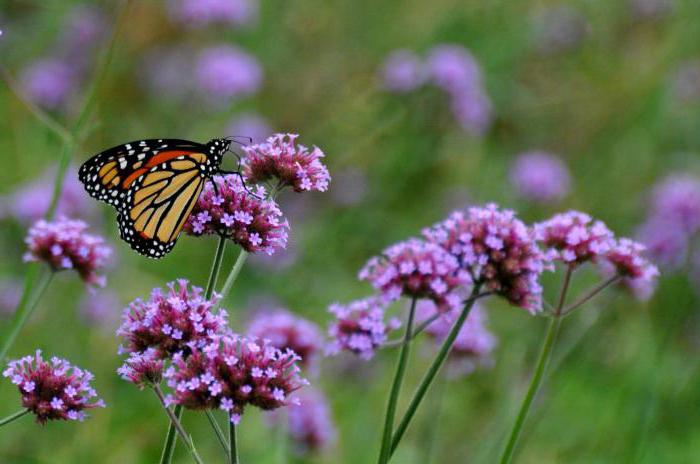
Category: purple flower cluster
<point>199,13</point>
<point>226,72</point>
<point>232,373</point>
<point>497,250</point>
<point>574,238</point>
<point>280,158</point>
<point>558,29</point>
<point>49,82</point>
<point>416,269</point>
<point>359,327</point>
<point>626,258</point>
<point>474,342</point>
<point>229,210</point>
<point>177,320</point>
<point>10,294</point>
<point>143,368</point>
<point>54,390</point>
<point>283,330</point>
<point>540,176</point>
<point>309,423</point>
<point>453,69</point>
<point>64,244</point>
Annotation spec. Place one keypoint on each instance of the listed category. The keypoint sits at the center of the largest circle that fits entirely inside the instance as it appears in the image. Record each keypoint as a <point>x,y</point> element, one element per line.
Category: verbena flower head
<point>282,160</point>
<point>234,373</point>
<point>177,320</point>
<point>286,331</point>
<point>54,390</point>
<point>677,200</point>
<point>309,423</point>
<point>100,309</point>
<point>626,256</point>
<point>226,72</point>
<point>10,294</point>
<point>403,71</point>
<point>64,244</point>
<point>198,13</point>
<point>359,327</point>
<point>49,82</point>
<point>473,111</point>
<point>667,244</point>
<point>540,176</point>
<point>454,69</point>
<point>251,221</point>
<point>143,369</point>
<point>497,250</point>
<point>574,238</point>
<point>416,269</point>
<point>474,343</point>
<point>250,125</point>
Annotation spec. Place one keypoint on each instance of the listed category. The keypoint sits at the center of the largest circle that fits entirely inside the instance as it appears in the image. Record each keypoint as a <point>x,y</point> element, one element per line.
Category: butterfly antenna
<point>238,173</point>
<point>246,139</point>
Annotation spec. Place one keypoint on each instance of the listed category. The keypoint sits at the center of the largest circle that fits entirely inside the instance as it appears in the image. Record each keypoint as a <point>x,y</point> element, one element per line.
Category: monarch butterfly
<point>153,185</point>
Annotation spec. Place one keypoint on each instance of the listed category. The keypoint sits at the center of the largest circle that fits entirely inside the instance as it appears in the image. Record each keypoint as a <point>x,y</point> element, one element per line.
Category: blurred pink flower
<point>142,368</point>
<point>574,238</point>
<point>403,71</point>
<point>558,29</point>
<point>49,82</point>
<point>199,13</point>
<point>226,72</point>
<point>540,176</point>
<point>676,200</point>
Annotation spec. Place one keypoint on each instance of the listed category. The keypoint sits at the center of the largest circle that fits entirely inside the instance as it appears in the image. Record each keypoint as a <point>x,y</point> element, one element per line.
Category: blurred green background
<point>601,91</point>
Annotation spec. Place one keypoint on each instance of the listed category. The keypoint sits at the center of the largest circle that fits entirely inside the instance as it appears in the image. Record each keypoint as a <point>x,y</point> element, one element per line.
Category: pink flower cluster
<point>254,223</point>
<point>179,320</point>
<point>64,244</point>
<point>283,330</point>
<point>497,250</point>
<point>540,176</point>
<point>232,373</point>
<point>359,327</point>
<point>143,368</point>
<point>416,269</point>
<point>626,258</point>
<point>280,158</point>
<point>309,423</point>
<point>574,238</point>
<point>53,390</point>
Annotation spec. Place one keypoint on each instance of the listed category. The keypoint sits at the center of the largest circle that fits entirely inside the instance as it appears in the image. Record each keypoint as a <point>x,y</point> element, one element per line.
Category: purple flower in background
<point>10,294</point>
<point>286,331</point>
<point>349,187</point>
<point>233,373</point>
<point>64,244</point>
<point>403,71</point>
<point>250,125</point>
<point>540,176</point>
<point>100,309</point>
<point>625,258</point>
<point>650,9</point>
<point>179,320</point>
<point>416,269</point>
<point>497,250</point>
<point>676,200</point>
<point>574,238</point>
<point>49,82</point>
<point>226,72</point>
<point>558,29</point>
<point>454,69</point>
<point>254,223</point>
<point>686,82</point>
<point>84,28</point>
<point>198,13</point>
<point>309,423</point>
<point>143,368</point>
<point>160,73</point>
<point>473,112</point>
<point>53,390</point>
<point>474,342</point>
<point>280,158</point>
<point>666,243</point>
<point>359,327</point>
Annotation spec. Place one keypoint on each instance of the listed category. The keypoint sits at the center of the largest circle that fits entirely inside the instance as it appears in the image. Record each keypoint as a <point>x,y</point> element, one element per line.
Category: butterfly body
<point>153,184</point>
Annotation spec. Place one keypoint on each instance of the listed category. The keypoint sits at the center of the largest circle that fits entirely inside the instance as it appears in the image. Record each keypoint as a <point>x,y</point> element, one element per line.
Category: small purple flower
<point>142,369</point>
<point>540,176</point>
<point>283,330</point>
<point>559,29</point>
<point>254,223</point>
<point>179,320</point>
<point>199,13</point>
<point>84,28</point>
<point>676,200</point>
<point>10,294</point>
<point>64,244</point>
<point>359,327</point>
<point>416,269</point>
<point>226,72</point>
<point>574,238</point>
<point>160,73</point>
<point>650,9</point>
<point>49,82</point>
<point>454,69</point>
<point>100,309</point>
<point>626,256</point>
<point>403,71</point>
<point>53,390</point>
<point>686,82</point>
<point>291,165</point>
<point>497,250</point>
<point>243,371</point>
<point>473,111</point>
<point>249,125</point>
<point>309,423</point>
<point>667,244</point>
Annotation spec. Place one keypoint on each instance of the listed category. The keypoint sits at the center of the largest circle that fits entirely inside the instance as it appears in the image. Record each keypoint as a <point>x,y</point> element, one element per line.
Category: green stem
<point>175,421</point>
<point>233,459</point>
<point>433,370</point>
<point>215,268</point>
<point>540,368</point>
<point>26,307</point>
<point>13,417</point>
<point>384,453</point>
<point>169,445</point>
<point>219,433</point>
<point>592,293</point>
<point>233,275</point>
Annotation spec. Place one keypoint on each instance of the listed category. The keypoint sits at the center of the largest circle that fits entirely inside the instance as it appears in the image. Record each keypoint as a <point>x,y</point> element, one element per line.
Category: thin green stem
<point>219,433</point>
<point>25,308</point>
<point>169,445</point>
<point>215,267</point>
<point>592,293</point>
<point>13,417</point>
<point>175,421</point>
<point>540,368</point>
<point>433,370</point>
<point>384,453</point>
<point>233,275</point>
<point>233,457</point>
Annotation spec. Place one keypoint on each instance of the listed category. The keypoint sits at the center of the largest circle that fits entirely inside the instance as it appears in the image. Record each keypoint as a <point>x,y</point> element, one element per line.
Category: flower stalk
<point>13,417</point>
<point>175,422</point>
<point>233,457</point>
